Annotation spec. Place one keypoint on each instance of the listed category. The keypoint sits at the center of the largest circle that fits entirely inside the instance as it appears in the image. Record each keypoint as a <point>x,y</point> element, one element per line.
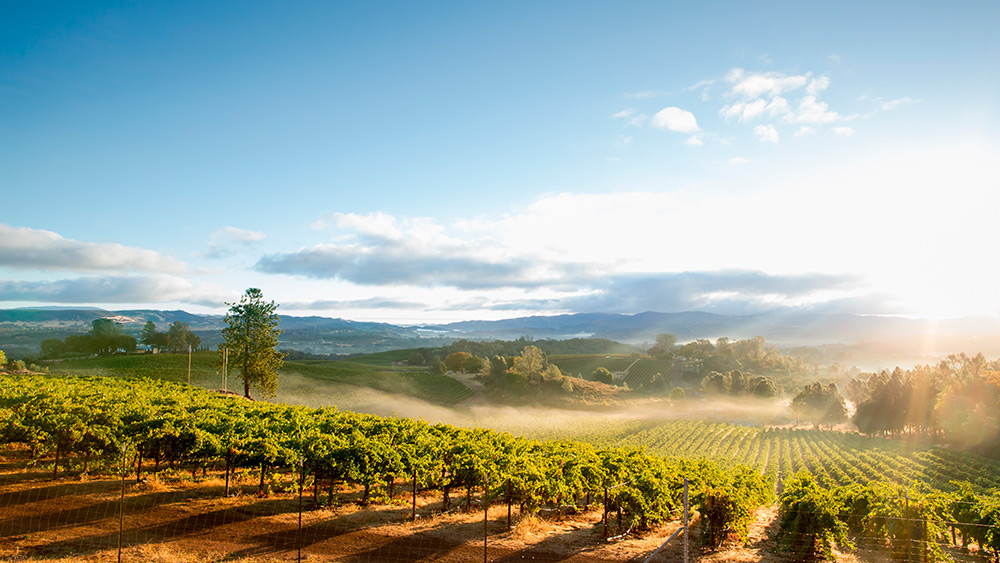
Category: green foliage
<point>664,346</point>
<point>957,399</point>
<point>810,518</point>
<point>510,348</point>
<point>730,503</point>
<point>252,339</point>
<point>105,338</point>
<point>677,394</point>
<point>820,404</point>
<point>96,418</point>
<point>602,375</point>
<point>456,361</point>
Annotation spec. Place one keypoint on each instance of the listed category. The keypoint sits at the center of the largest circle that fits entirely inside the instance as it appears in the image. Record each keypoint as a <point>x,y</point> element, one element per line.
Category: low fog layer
<point>528,420</point>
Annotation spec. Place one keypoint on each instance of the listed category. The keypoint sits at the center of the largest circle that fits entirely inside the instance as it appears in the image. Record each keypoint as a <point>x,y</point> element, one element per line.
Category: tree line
<point>956,400</point>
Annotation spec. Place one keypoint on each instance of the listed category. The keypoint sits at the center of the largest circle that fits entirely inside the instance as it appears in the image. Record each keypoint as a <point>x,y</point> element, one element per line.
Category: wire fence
<point>180,514</point>
<point>183,513</point>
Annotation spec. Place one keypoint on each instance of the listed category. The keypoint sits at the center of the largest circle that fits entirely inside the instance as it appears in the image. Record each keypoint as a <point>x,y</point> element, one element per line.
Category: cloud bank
<point>35,249</point>
<point>114,289</point>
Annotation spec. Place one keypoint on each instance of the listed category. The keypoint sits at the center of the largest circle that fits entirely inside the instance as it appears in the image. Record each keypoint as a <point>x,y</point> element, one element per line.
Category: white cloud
<point>766,133</point>
<point>675,119</point>
<point>804,130</point>
<point>811,111</point>
<point>757,84</point>
<point>35,249</point>
<point>550,253</point>
<point>746,111</point>
<point>893,104</point>
<point>843,131</point>
<point>234,234</point>
<point>817,85</point>
<point>699,85</point>
<point>644,94</point>
<point>694,141</point>
<point>114,289</point>
<point>736,160</point>
<point>632,119</point>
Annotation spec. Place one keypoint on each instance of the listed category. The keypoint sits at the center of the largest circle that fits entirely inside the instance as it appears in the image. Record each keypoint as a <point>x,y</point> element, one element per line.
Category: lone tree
<point>252,340</point>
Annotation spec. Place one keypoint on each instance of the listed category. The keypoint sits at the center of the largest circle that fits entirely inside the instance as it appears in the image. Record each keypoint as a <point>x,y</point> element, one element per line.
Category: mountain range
<point>21,330</point>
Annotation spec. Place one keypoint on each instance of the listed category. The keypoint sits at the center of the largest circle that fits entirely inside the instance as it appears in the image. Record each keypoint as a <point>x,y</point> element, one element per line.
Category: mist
<point>530,421</point>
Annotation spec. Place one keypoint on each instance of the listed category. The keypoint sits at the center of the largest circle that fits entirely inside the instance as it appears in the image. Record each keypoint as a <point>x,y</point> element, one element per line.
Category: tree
<point>456,361</point>
<point>252,341</point>
<point>531,363</point>
<point>664,347</point>
<point>603,375</point>
<point>148,334</point>
<point>820,404</point>
<point>52,347</point>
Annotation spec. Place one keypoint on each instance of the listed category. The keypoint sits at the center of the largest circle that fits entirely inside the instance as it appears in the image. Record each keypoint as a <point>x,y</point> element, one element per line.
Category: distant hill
<point>851,338</point>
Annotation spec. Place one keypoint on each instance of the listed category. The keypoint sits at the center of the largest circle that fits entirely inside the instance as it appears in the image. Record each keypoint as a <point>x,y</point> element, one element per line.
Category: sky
<point>426,162</point>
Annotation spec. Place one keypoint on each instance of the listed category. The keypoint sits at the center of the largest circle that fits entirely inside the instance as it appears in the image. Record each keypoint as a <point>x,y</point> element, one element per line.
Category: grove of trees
<point>956,400</point>
<point>177,338</point>
<point>106,337</point>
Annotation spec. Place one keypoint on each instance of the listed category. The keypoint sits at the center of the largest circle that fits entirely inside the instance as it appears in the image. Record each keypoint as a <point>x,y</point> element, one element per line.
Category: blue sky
<point>438,161</point>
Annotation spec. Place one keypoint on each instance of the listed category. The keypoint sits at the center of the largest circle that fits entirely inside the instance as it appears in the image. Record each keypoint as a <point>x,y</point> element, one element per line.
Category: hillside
<point>849,339</point>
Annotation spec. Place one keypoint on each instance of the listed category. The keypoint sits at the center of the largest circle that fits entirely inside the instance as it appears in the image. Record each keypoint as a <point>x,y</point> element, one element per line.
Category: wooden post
<point>906,527</point>
<point>302,481</point>
<point>685,520</point>
<point>509,501</point>
<point>316,483</point>
<point>413,514</point>
<point>486,511</point>
<point>121,504</point>
<point>605,511</point>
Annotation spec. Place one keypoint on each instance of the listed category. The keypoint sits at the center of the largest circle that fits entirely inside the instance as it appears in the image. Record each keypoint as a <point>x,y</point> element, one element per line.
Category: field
<point>328,381</point>
<point>681,434</point>
<point>835,458</point>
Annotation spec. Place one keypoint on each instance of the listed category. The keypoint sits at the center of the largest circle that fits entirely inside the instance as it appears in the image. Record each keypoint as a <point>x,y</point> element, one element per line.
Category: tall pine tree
<point>252,340</point>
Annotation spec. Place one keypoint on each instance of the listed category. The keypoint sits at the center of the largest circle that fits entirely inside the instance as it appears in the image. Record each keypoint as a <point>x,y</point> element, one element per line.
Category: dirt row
<point>178,519</point>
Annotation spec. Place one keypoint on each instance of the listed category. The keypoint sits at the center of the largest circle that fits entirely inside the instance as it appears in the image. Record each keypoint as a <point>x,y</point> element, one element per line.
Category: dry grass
<point>530,529</point>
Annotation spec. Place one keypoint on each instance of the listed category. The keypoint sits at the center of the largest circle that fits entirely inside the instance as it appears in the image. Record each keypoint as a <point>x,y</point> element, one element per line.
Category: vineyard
<point>834,458</point>
<point>876,494</point>
<point>121,426</point>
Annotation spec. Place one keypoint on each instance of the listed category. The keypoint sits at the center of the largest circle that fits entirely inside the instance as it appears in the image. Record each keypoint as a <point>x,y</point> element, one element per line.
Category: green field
<point>329,377</point>
<point>835,458</point>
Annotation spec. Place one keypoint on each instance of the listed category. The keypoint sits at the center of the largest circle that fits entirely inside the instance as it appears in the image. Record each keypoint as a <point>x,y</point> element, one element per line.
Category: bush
<point>602,375</point>
<point>810,523</point>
